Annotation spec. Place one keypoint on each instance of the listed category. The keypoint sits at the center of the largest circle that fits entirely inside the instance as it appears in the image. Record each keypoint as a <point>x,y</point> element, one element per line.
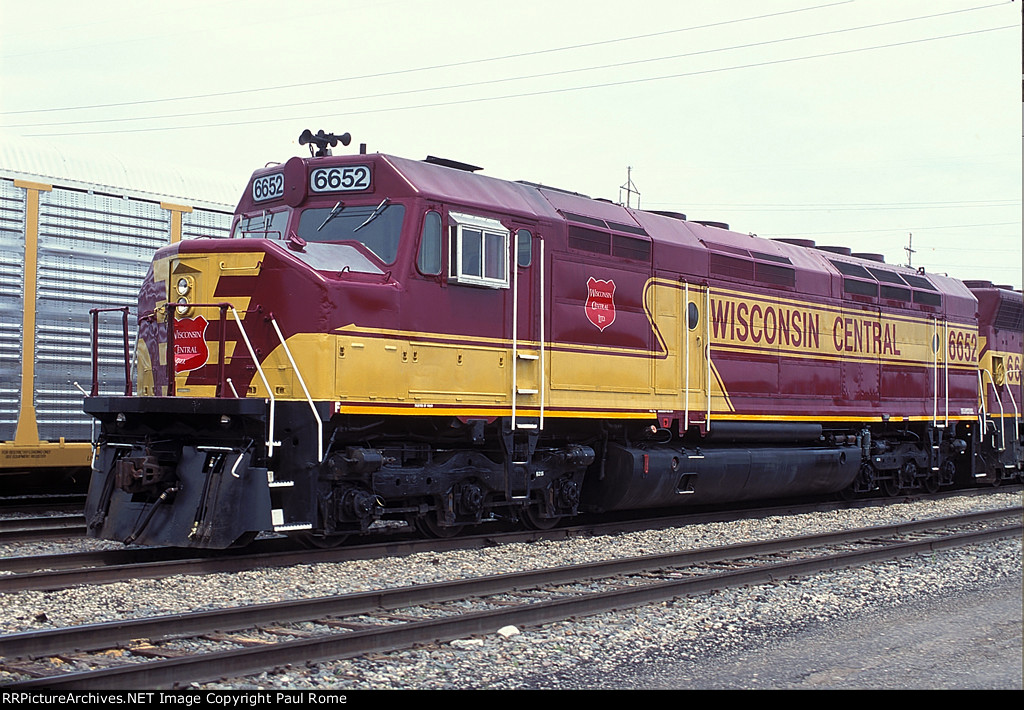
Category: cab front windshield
<point>377,227</point>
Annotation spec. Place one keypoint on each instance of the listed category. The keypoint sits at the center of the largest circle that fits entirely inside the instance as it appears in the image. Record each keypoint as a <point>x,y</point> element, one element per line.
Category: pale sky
<point>851,123</point>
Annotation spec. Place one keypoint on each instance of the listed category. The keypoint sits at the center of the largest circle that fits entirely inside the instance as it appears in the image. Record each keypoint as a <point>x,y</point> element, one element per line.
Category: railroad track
<point>35,503</point>
<point>41,517</point>
<point>379,621</point>
<point>41,528</point>
<point>60,571</point>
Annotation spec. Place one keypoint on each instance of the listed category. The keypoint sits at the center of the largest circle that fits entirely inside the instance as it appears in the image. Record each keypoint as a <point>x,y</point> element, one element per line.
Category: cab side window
<point>524,248</point>
<point>479,251</point>
<point>429,259</point>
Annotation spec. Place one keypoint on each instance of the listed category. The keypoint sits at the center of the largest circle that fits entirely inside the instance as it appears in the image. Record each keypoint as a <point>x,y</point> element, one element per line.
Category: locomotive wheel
<point>891,486</point>
<point>319,542</point>
<point>532,520</point>
<point>948,472</point>
<point>863,483</point>
<point>428,525</point>
<point>931,483</point>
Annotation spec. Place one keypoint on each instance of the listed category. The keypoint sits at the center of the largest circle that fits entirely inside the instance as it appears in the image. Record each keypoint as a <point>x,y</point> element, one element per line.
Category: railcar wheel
<point>532,519</point>
<point>428,525</point>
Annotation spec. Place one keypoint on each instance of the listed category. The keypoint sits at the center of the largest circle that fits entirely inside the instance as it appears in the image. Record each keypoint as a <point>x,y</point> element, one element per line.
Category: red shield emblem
<point>600,302</point>
<point>190,351</point>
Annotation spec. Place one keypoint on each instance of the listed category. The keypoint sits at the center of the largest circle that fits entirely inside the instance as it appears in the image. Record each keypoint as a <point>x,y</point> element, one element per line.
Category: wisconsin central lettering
<point>765,323</point>
<point>857,335</point>
<point>780,326</point>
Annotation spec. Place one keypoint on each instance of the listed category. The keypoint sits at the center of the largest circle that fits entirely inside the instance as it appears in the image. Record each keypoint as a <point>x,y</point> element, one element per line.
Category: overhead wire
<point>853,207</point>
<point>447,65</point>
<point>473,84</point>
<point>543,92</point>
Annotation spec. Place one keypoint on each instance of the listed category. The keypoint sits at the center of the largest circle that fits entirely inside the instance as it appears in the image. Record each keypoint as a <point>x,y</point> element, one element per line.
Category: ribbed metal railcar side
<point>12,274</point>
<point>93,253</point>
<point>88,250</point>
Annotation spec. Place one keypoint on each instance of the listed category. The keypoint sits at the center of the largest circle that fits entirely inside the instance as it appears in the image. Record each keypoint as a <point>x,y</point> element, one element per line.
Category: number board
<point>343,178</point>
<point>268,187</point>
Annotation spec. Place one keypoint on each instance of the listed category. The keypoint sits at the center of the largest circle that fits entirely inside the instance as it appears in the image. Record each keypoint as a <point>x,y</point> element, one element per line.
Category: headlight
<point>183,306</point>
<point>184,286</point>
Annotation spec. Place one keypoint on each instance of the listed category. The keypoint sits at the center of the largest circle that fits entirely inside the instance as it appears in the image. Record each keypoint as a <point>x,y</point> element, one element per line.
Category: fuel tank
<point>662,476</point>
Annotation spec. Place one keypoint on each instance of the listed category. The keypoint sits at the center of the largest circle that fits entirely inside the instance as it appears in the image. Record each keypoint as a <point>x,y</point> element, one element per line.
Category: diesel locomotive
<point>384,339</point>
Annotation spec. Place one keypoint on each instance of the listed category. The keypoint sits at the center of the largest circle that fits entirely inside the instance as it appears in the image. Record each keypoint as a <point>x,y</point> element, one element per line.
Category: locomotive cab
<point>299,369</point>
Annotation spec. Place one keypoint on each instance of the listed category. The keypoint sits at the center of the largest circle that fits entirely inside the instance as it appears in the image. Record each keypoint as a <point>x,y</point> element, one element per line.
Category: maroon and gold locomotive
<point>389,339</point>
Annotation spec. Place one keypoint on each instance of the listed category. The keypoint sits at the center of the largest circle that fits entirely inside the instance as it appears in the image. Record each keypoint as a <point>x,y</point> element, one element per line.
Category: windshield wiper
<point>335,211</point>
<point>375,214</point>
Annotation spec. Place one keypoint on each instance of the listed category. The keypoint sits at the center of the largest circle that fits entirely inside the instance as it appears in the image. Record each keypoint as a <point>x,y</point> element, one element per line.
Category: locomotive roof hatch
<point>448,163</point>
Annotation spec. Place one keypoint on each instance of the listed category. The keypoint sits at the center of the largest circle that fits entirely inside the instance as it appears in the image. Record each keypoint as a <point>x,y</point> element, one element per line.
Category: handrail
<point>686,355</point>
<point>95,313</point>
<point>1009,391</point>
<point>982,413</point>
<point>1002,414</point>
<point>945,363</point>
<point>515,332</point>
<point>935,371</point>
<point>707,354</point>
<point>223,383</point>
<point>221,363</point>
<point>271,442</point>
<point>542,381</point>
<point>172,365</point>
<point>309,399</point>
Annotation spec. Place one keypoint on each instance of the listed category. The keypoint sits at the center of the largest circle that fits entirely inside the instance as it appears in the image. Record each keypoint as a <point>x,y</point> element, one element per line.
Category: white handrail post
<point>999,400</point>
<point>686,354</point>
<point>707,351</point>
<point>305,391</point>
<point>515,329</point>
<point>935,372</point>
<point>271,442</point>
<point>541,376</point>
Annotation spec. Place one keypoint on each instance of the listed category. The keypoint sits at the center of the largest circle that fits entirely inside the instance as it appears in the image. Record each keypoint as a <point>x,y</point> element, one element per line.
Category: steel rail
<point>244,661</point>
<point>42,523</point>
<point>48,572</point>
<point>67,502</point>
<point>29,529</point>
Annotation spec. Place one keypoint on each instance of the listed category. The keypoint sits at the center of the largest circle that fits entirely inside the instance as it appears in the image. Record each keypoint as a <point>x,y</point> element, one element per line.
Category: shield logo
<point>190,350</point>
<point>600,306</point>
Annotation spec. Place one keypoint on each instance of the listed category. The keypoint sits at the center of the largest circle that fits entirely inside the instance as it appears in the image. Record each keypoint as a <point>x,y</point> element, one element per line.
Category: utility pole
<point>910,250</point>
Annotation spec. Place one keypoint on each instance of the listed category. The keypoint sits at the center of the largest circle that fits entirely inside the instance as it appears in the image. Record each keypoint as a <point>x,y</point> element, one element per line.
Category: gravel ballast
<point>659,645</point>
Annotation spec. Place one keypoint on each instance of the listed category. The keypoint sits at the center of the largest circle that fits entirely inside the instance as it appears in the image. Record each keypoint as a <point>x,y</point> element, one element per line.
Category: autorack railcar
<point>76,232</point>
